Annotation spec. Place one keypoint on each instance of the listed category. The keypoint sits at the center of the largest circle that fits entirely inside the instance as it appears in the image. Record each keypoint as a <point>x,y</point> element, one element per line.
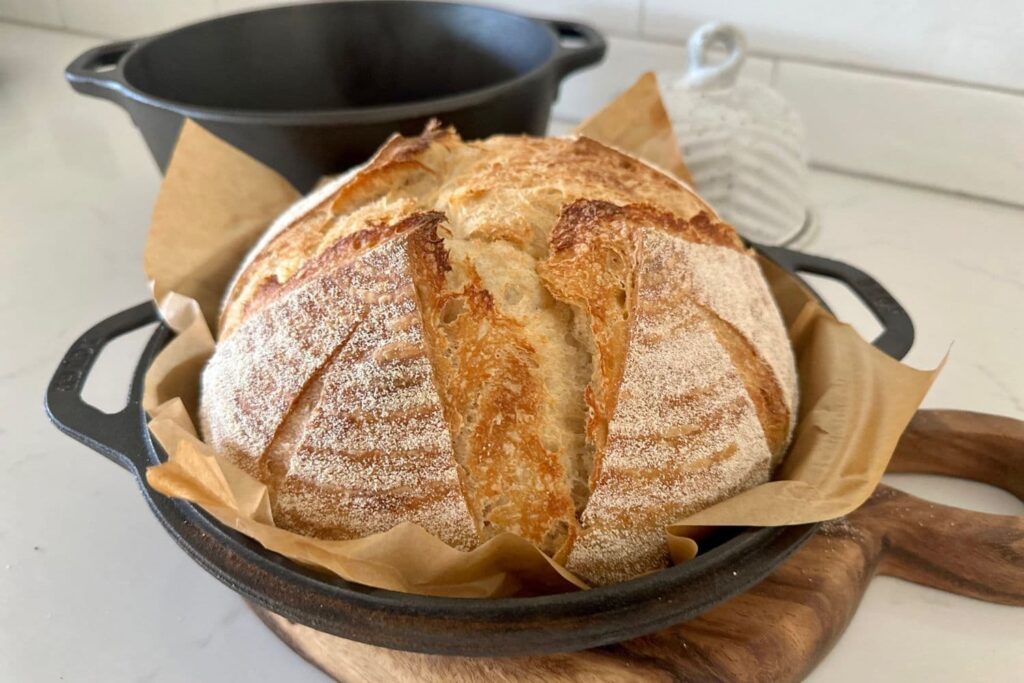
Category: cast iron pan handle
<point>897,329</point>
<point>578,46</point>
<point>98,72</point>
<point>114,435</point>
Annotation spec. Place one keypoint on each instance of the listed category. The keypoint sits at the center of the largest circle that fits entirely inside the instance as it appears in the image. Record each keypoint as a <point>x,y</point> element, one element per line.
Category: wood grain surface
<point>780,629</point>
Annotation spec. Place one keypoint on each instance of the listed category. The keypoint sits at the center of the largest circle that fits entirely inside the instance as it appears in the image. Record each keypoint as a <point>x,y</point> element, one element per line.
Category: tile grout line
<point>910,184</point>
<point>60,15</point>
<point>56,29</point>
<point>878,178</point>
<point>833,64</point>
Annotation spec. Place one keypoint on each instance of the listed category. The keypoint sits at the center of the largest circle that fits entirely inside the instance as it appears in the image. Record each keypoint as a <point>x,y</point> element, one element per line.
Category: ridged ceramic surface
<point>745,147</point>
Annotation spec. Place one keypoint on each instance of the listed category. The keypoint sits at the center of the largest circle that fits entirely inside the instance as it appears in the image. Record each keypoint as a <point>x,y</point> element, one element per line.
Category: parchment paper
<point>215,202</point>
<point>637,123</point>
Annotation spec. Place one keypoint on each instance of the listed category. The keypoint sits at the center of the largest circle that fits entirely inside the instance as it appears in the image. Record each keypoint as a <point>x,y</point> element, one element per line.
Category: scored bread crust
<point>675,425</point>
<point>341,419</point>
<point>541,336</point>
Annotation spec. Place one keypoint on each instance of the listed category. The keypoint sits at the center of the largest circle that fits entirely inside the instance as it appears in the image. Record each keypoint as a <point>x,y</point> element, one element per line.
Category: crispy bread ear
<point>680,402</point>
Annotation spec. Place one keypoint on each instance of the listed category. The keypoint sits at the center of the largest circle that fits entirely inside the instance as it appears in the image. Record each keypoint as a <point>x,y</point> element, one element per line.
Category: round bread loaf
<point>541,336</point>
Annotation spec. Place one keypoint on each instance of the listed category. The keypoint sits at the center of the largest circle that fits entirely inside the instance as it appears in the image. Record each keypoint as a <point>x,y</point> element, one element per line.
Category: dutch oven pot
<point>728,565</point>
<point>315,89</point>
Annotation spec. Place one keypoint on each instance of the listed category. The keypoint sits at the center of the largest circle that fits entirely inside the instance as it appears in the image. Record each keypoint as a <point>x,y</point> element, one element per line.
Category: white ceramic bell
<point>743,143</point>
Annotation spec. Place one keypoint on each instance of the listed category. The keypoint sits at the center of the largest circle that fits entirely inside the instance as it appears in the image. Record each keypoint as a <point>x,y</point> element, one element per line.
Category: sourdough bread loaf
<point>541,336</point>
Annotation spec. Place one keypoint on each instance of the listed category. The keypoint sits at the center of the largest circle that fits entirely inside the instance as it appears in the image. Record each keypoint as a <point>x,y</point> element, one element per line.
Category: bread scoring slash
<point>537,336</point>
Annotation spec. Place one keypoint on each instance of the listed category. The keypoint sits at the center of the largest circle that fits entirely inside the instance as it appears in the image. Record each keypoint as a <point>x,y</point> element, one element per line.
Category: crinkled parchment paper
<point>214,204</point>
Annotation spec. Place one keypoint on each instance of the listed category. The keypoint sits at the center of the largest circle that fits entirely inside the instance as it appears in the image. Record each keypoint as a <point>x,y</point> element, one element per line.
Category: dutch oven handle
<point>118,436</point>
<point>578,46</point>
<point>897,329</point>
<point>99,72</point>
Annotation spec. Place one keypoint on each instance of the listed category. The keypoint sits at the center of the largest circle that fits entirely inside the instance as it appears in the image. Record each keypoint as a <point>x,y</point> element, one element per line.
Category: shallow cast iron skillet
<point>450,626</point>
<point>312,90</point>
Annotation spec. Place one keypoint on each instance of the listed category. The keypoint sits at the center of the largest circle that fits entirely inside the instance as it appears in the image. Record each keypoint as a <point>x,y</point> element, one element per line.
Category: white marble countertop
<point>92,589</point>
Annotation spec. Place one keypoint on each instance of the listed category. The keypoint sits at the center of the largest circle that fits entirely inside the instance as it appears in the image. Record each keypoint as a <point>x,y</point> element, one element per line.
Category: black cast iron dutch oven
<point>311,90</point>
<point>451,626</point>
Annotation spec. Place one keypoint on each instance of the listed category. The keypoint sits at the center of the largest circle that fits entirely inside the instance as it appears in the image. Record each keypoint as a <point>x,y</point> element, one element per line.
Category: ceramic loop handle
<point>701,74</point>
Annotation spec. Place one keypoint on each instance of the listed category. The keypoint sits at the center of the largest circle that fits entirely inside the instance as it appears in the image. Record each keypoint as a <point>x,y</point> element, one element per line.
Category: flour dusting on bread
<point>541,336</point>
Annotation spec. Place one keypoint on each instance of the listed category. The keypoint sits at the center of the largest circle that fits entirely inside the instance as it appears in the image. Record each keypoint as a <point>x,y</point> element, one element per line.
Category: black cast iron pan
<point>450,626</point>
<point>314,89</point>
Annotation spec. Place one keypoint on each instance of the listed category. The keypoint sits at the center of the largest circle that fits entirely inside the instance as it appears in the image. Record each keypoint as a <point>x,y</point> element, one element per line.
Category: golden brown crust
<point>759,381</point>
<point>590,267</point>
<point>342,422</point>
<point>629,269</point>
<point>398,162</point>
<point>490,386</point>
<point>499,169</point>
<point>542,336</point>
<point>683,433</point>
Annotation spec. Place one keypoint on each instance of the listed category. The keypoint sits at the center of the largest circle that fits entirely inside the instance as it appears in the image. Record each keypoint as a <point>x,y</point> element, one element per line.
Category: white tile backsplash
<point>585,92</point>
<point>42,12</point>
<point>235,6</point>
<point>851,69</point>
<point>978,41</point>
<point>618,16</point>
<point>137,18</point>
<point>945,136</point>
<point>621,17</point>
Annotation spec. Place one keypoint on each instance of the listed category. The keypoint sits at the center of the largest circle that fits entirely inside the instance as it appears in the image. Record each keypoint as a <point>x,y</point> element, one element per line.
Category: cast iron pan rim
<point>299,117</point>
<point>640,589</point>
<point>570,603</point>
<point>525,626</point>
<point>438,625</point>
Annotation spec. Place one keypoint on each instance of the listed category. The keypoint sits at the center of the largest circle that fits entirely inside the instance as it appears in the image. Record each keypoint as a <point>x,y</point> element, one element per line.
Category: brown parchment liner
<point>215,202</point>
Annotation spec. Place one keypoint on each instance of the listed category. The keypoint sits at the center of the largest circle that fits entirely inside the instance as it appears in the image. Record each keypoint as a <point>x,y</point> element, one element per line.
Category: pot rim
<point>558,63</point>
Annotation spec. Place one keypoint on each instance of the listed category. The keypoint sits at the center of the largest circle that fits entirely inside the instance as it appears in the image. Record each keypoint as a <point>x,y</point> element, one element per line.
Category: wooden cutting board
<point>780,629</point>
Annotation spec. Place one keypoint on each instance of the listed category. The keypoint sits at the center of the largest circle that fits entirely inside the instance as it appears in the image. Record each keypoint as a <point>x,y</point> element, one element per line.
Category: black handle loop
<point>579,46</point>
<point>116,436</point>
<point>99,72</point>
<point>897,329</point>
